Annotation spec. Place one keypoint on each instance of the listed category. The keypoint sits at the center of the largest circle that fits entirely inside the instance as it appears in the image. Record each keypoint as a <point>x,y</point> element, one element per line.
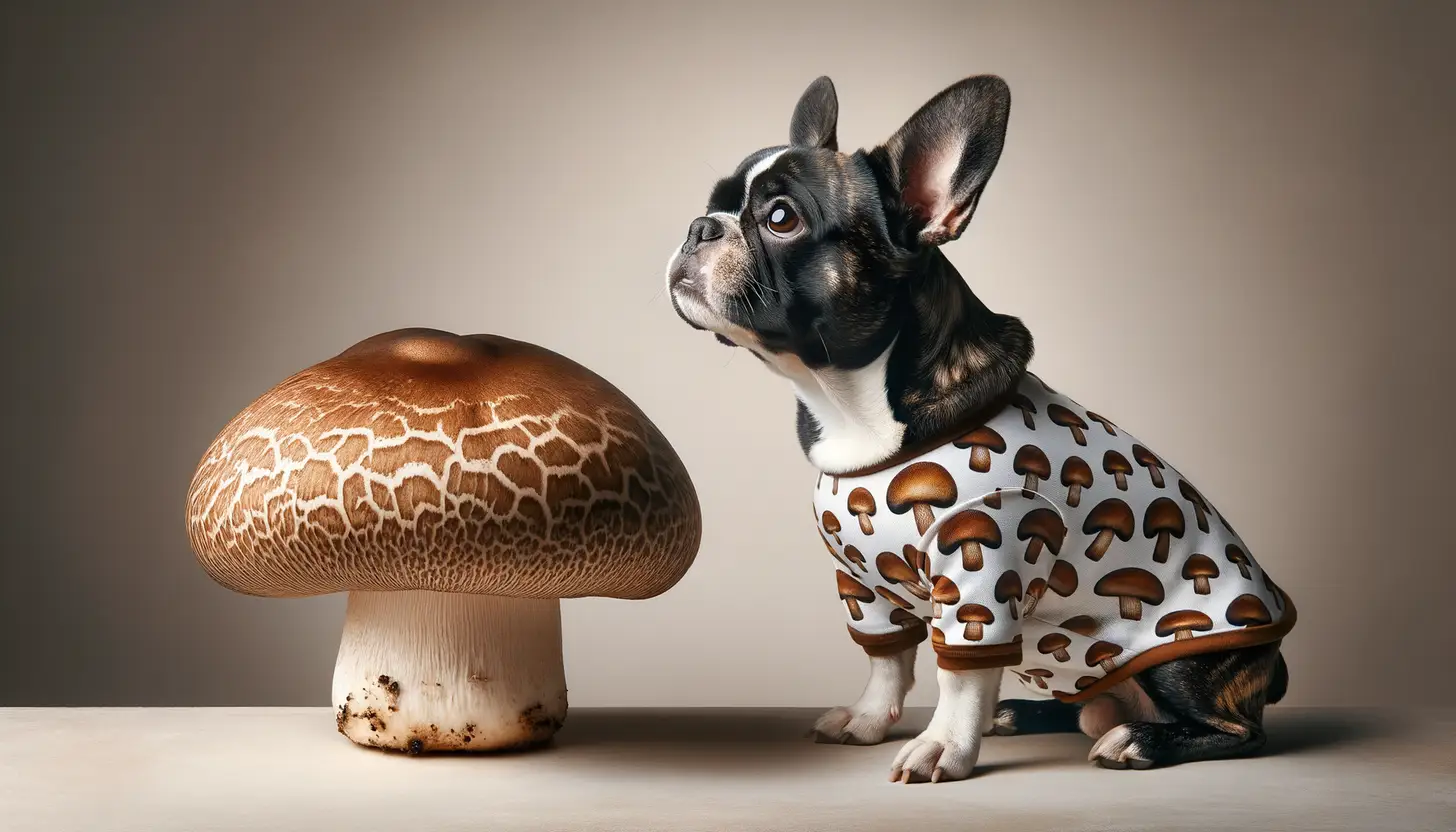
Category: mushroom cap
<point>850,588</point>
<point>1032,460</point>
<point>1101,651</point>
<point>1112,514</point>
<point>1063,578</point>
<point>1131,582</point>
<point>1163,515</point>
<point>985,437</point>
<point>1040,673</point>
<point>1052,642</point>
<point>1247,611</point>
<point>1008,586</point>
<point>894,568</point>
<point>1183,620</point>
<point>1076,471</point>
<point>920,482</point>
<point>861,501</point>
<point>904,618</point>
<point>970,526</point>
<point>975,614</point>
<point>1115,463</point>
<point>1064,417</point>
<point>1145,456</point>
<point>1199,566</point>
<point>831,523</point>
<point>1045,524</point>
<point>945,591</point>
<point>1192,494</point>
<point>1083,625</point>
<point>420,459</point>
<point>1235,554</point>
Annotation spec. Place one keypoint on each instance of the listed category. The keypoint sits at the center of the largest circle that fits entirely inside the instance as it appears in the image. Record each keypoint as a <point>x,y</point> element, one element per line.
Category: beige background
<point>1226,224</point>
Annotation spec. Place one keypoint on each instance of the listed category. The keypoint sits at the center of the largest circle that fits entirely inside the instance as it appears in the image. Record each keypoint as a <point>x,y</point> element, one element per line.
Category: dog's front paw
<point>936,755</point>
<point>1120,748</point>
<point>855,725</point>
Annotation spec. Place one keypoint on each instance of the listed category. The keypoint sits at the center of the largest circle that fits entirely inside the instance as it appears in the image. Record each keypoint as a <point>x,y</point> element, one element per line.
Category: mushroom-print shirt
<point>1048,540</point>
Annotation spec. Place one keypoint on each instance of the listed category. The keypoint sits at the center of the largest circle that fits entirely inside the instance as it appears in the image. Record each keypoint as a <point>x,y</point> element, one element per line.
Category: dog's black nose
<point>701,231</point>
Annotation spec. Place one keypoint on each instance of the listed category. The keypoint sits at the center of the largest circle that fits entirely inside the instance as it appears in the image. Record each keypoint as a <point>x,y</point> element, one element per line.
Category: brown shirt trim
<point>888,644</point>
<point>1228,640</point>
<point>968,657</point>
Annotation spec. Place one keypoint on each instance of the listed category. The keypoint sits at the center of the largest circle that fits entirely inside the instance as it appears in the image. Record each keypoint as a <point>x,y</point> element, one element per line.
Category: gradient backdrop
<point>199,199</point>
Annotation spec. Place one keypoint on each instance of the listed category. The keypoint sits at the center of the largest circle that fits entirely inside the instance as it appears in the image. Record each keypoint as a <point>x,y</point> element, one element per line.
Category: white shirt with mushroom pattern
<point>1047,540</point>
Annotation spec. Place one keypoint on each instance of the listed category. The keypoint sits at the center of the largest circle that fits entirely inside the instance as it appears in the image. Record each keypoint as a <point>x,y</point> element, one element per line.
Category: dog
<point>1042,536</point>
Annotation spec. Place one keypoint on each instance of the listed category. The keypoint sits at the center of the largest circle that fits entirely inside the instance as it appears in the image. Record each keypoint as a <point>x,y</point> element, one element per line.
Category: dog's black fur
<point>864,274</point>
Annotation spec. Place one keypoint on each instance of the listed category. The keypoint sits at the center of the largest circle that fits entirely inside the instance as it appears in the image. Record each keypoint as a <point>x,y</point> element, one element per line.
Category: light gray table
<point>199,769</point>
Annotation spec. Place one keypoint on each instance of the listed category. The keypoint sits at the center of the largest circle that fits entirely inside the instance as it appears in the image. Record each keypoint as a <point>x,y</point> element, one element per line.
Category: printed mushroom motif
<point>1274,591</point>
<point>975,617</point>
<point>853,593</point>
<point>943,591</point>
<point>1076,475</point>
<point>992,500</point>
<point>831,525</point>
<point>1106,424</point>
<point>1056,645</point>
<point>983,442</point>
<point>1182,623</point>
<point>1082,625</point>
<point>1034,591</point>
<point>895,570</point>
<point>1032,461</point>
<point>1198,569</point>
<point>862,505</point>
<point>853,555</point>
<point>1149,460</point>
<point>1063,579</point>
<point>1237,557</point>
<point>918,487</point>
<point>1108,519</point>
<point>1024,404</point>
<point>1132,587</point>
<point>833,553</point>
<point>1195,499</point>
<point>1085,682</point>
<point>1069,420</point>
<point>918,559</point>
<point>1247,611</point>
<point>1117,465</point>
<point>889,595</point>
<point>1042,527</point>
<point>1008,590</point>
<point>905,620</point>
<point>1039,675</point>
<point>969,530</point>
<point>1163,520</point>
<point>1102,653</point>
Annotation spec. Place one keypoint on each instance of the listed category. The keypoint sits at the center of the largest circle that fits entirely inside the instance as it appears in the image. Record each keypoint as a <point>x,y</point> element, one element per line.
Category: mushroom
<point>1117,465</point>
<point>969,530</point>
<point>835,554</point>
<point>992,500</point>
<point>1162,519</point>
<point>1149,460</point>
<point>1032,462</point>
<point>1082,625</point>
<point>905,620</point>
<point>1106,424</point>
<point>1085,682</point>
<point>918,559</point>
<point>1274,591</point>
<point>975,617</point>
<point>853,593</point>
<point>862,505</point>
<point>1200,505</point>
<point>1069,420</point>
<point>920,486</point>
<point>1063,579</point>
<point>895,570</point>
<point>1034,591</point>
<point>1109,518</point>
<point>853,556</point>
<point>1132,587</point>
<point>1237,557</point>
<point>831,525</point>
<point>457,487</point>
<point>1008,590</point>
<point>1247,611</point>
<point>943,591</point>
<point>1181,624</point>
<point>1198,569</point>
<point>1042,527</point>
<point>983,442</point>
<point>889,595</point>
<point>1039,675</point>
<point>834,488</point>
<point>1076,475</point>
<point>1024,404</point>
<point>1102,653</point>
<point>1056,645</point>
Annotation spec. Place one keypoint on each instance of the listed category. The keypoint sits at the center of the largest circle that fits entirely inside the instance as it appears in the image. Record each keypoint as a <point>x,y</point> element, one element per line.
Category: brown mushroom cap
<point>1131,582</point>
<point>1052,642</point>
<point>895,569</point>
<point>1101,651</point>
<point>1008,586</point>
<point>1032,460</point>
<point>1163,515</point>
<point>975,614</point>
<point>921,482</point>
<point>1064,417</point>
<point>984,437</point>
<point>1076,471</point>
<point>831,523</point>
<point>419,459</point>
<point>1145,456</point>
<point>1199,566</point>
<point>1247,611</point>
<point>1045,525</point>
<point>1112,514</point>
<point>970,526</point>
<point>861,501</point>
<point>1115,463</point>
<point>850,588</point>
<point>1082,625</point>
<point>1183,620</point>
<point>904,618</point>
<point>945,591</point>
<point>1063,579</point>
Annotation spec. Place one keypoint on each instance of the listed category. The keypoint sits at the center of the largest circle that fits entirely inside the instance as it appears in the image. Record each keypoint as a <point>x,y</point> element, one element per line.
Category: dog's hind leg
<point>1215,704</point>
<point>1034,716</point>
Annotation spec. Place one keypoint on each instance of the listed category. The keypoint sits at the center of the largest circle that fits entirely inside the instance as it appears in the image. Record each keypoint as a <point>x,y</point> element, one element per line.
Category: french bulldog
<point>1043,538</point>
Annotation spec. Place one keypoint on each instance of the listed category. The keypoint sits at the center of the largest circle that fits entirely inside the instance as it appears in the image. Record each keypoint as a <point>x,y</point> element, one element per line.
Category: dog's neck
<point>951,359</point>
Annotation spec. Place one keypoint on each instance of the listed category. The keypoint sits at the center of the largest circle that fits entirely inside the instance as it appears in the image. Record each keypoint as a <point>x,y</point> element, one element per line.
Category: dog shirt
<point>1048,540</point>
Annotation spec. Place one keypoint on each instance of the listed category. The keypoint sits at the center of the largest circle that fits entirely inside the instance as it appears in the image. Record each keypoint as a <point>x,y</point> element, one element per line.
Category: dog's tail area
<point>1279,681</point>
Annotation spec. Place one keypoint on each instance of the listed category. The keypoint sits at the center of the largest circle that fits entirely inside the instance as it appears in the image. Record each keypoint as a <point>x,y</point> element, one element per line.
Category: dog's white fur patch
<point>868,720</point>
<point>948,747</point>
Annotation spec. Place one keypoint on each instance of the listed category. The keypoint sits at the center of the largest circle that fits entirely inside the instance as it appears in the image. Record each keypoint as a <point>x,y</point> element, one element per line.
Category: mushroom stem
<point>1130,607</point>
<point>1099,545</point>
<point>433,671</point>
<point>980,459</point>
<point>1074,495</point>
<point>1160,549</point>
<point>973,631</point>
<point>923,517</point>
<point>865,525</point>
<point>971,557</point>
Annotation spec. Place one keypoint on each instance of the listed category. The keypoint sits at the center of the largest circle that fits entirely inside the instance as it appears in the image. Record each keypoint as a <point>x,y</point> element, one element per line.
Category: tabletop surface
<point>155,769</point>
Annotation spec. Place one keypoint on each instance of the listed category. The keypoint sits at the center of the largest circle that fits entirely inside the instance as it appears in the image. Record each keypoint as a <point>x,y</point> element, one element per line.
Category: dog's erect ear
<point>943,156</point>
<point>816,116</point>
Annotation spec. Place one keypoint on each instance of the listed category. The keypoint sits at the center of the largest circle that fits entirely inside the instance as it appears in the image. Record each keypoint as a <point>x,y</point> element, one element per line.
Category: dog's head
<point>809,255</point>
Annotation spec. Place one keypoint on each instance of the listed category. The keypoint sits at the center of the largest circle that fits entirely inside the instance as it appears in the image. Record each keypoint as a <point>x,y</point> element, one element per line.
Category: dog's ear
<point>816,116</point>
<point>943,156</point>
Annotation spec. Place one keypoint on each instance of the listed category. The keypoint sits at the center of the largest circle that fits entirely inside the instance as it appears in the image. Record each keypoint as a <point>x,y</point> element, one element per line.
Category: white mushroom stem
<point>433,671</point>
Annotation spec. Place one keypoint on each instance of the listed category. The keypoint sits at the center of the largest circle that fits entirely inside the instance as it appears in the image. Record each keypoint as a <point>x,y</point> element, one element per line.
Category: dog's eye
<point>782,220</point>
